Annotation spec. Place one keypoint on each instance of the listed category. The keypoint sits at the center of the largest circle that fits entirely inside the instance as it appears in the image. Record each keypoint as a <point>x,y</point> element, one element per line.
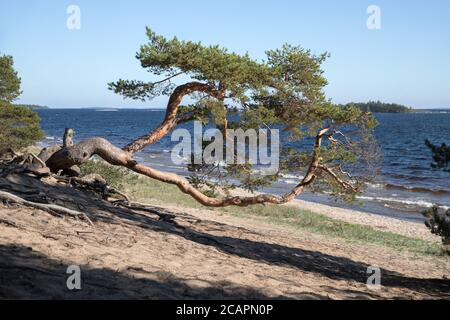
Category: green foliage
<point>210,64</point>
<point>295,218</point>
<point>19,127</point>
<point>441,155</point>
<point>9,80</point>
<point>284,91</point>
<point>378,106</point>
<point>439,224</point>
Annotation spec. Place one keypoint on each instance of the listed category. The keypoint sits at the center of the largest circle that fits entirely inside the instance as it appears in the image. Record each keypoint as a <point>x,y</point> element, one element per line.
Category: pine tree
<point>19,126</point>
<point>9,80</point>
<point>284,91</point>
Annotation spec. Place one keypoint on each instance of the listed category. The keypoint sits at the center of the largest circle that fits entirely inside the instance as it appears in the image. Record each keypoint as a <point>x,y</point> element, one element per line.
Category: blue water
<point>405,186</point>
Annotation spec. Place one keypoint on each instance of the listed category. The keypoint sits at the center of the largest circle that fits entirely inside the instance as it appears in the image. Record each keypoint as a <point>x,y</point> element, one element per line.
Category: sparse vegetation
<point>439,224</point>
<point>116,177</point>
<point>19,127</point>
<point>441,155</point>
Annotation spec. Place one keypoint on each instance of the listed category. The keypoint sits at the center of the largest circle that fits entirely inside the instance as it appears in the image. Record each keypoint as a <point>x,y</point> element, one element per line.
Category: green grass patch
<point>320,224</point>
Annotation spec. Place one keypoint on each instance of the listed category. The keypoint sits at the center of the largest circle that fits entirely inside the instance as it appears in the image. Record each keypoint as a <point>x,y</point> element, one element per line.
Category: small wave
<point>417,189</point>
<point>265,171</point>
<point>178,168</point>
<point>291,176</point>
<point>375,185</point>
<point>289,181</point>
<point>221,164</point>
<point>406,188</point>
<point>50,138</point>
<point>420,203</point>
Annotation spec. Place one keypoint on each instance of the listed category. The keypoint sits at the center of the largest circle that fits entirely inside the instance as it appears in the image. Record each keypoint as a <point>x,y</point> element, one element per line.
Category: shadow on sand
<point>14,261</point>
<point>333,267</point>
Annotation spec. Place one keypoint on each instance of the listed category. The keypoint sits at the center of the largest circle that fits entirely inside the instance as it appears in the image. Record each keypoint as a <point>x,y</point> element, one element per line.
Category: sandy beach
<point>191,253</point>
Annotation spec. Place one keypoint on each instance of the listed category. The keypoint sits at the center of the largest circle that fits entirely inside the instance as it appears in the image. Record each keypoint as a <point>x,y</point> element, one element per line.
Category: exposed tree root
<point>143,207</point>
<point>35,157</point>
<point>50,208</point>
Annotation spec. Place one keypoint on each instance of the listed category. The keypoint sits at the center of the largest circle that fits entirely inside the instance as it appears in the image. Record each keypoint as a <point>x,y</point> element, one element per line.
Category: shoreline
<point>406,188</point>
<point>373,220</point>
<point>376,221</point>
<point>342,212</point>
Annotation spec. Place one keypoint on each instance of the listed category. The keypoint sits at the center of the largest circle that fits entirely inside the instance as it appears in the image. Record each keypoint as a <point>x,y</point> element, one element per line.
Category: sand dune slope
<point>188,253</point>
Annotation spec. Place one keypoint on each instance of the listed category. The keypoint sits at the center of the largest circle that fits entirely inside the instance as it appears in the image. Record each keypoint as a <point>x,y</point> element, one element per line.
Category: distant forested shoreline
<point>378,106</point>
<point>32,106</point>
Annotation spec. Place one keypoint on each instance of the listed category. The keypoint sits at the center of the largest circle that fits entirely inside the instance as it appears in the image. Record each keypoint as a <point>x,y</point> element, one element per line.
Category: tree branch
<point>170,119</point>
<point>168,78</point>
<point>342,182</point>
<point>79,153</point>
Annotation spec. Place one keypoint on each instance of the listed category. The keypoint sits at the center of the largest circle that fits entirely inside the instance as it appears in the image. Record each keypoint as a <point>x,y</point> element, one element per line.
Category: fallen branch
<point>50,208</point>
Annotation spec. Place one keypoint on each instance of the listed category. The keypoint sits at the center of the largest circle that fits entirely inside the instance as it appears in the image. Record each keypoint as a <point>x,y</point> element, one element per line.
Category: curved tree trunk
<point>83,151</point>
<point>74,155</point>
<point>170,119</point>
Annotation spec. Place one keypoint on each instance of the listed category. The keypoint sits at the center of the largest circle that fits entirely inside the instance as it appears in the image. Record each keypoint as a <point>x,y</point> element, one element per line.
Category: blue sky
<point>407,61</point>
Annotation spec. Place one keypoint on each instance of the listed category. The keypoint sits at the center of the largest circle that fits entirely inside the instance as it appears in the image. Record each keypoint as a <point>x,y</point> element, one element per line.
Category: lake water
<point>405,187</point>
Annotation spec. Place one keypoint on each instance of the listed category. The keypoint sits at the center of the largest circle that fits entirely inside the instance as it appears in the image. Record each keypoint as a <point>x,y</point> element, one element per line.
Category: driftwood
<point>68,137</point>
<point>46,153</point>
<point>25,167</point>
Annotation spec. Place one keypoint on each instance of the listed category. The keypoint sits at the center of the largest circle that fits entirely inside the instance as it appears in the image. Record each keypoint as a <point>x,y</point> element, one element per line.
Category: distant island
<point>32,106</point>
<point>378,106</point>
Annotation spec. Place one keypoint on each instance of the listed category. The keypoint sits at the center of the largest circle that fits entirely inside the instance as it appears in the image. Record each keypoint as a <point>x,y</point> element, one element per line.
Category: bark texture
<point>83,151</point>
<point>68,137</point>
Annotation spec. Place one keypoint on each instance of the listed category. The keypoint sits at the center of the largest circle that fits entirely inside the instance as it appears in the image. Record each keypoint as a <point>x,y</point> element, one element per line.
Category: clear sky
<point>406,61</point>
